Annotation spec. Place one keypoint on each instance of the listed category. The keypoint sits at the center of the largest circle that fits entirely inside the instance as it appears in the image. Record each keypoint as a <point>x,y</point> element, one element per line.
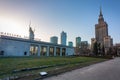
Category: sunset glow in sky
<point>51,17</point>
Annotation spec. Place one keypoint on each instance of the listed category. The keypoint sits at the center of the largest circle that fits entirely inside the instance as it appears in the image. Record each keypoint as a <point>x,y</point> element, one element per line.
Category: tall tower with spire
<point>101,34</point>
<point>101,29</point>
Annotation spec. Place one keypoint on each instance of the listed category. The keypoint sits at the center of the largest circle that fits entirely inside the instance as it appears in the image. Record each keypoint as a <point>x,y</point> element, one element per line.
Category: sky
<point>51,17</point>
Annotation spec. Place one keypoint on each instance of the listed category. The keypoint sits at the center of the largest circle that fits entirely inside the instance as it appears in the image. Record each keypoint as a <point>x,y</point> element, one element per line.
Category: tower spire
<point>101,19</point>
<point>101,11</point>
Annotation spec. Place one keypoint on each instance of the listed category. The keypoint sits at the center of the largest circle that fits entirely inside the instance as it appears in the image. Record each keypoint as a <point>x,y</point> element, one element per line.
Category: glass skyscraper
<point>63,38</point>
<point>78,42</point>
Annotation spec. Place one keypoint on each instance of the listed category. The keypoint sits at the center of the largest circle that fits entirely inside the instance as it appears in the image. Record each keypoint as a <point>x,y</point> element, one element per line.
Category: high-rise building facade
<point>54,39</point>
<point>78,42</point>
<point>63,38</point>
<point>70,44</point>
<point>101,34</point>
<point>93,40</point>
<point>84,44</point>
<point>101,29</point>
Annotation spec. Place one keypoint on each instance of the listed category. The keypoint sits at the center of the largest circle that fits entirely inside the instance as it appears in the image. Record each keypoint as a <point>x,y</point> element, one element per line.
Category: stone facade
<point>93,40</point>
<point>101,34</point>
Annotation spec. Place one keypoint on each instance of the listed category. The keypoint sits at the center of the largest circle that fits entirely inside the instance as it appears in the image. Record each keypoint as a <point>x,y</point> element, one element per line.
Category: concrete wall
<point>14,48</point>
<point>70,51</point>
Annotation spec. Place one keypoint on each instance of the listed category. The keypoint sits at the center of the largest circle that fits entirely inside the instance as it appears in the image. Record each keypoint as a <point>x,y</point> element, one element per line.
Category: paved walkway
<point>108,70</point>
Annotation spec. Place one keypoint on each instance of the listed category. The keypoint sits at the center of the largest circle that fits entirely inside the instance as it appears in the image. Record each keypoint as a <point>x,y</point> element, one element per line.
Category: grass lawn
<point>8,64</point>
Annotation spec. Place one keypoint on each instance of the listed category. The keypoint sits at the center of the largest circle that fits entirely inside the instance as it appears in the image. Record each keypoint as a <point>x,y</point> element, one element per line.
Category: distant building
<point>31,33</point>
<point>54,39</point>
<point>78,42</point>
<point>81,47</point>
<point>101,34</point>
<point>84,44</point>
<point>70,44</point>
<point>63,38</point>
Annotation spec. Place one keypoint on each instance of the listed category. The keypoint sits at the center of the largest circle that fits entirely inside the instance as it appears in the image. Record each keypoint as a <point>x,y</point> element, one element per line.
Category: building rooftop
<point>14,38</point>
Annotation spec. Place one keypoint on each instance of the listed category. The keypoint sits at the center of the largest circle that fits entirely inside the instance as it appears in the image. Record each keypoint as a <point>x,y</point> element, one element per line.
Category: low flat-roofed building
<point>18,46</point>
<point>13,46</point>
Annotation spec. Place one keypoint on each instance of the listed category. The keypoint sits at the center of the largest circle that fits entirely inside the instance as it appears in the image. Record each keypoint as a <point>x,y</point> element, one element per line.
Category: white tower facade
<point>63,38</point>
<point>31,34</point>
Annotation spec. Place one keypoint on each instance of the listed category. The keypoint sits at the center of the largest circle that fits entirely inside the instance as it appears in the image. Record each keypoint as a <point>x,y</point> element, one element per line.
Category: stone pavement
<point>108,70</point>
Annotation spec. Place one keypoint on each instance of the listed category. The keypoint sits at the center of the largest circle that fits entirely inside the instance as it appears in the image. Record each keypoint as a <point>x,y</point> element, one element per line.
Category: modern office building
<point>84,44</point>
<point>63,38</point>
<point>78,42</point>
<point>81,47</point>
<point>54,39</point>
<point>70,44</point>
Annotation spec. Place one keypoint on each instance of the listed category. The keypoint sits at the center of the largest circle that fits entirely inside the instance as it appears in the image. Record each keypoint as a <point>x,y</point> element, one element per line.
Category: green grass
<point>8,64</point>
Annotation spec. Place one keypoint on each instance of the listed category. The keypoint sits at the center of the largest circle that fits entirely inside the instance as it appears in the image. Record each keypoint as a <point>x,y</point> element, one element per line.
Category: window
<point>2,52</point>
<point>25,53</point>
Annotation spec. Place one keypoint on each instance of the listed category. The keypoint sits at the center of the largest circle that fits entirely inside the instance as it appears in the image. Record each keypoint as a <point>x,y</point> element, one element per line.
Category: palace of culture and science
<point>101,34</point>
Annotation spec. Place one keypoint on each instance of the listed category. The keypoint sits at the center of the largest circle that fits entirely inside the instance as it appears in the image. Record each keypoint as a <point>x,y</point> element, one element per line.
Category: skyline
<point>51,17</point>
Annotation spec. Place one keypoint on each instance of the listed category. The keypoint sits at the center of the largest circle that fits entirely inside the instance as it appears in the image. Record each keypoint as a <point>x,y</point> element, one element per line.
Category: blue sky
<point>51,17</point>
